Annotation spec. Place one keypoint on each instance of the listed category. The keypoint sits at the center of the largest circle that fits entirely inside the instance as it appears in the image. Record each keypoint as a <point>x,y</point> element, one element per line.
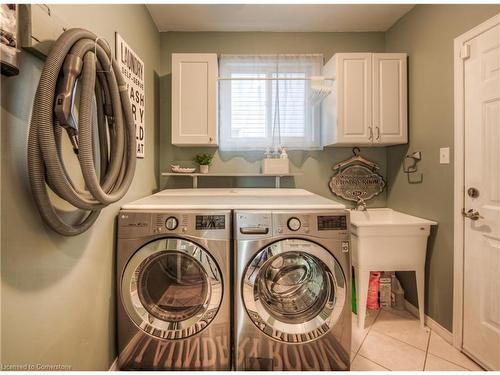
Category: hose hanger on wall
<point>356,179</point>
<point>80,59</point>
<point>413,167</point>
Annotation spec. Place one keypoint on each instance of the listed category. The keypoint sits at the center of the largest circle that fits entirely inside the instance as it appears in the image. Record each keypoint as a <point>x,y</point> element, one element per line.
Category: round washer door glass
<point>172,288</point>
<point>294,290</point>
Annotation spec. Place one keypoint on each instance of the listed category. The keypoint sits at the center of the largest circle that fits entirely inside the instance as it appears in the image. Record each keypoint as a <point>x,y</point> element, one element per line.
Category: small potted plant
<point>204,160</point>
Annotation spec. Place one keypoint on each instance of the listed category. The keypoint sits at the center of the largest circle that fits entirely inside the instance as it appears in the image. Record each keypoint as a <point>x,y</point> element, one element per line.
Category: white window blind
<point>257,111</point>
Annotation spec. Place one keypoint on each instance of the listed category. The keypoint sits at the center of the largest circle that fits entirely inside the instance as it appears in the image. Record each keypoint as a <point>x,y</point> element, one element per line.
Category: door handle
<point>378,132</point>
<point>471,214</point>
<point>370,137</point>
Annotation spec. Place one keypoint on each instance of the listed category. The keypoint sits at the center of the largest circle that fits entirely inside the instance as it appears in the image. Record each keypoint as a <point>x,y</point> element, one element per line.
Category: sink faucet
<point>361,204</point>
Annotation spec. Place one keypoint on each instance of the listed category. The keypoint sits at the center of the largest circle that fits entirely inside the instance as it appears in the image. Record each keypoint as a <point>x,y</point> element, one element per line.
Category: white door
<point>481,307</point>
<point>194,99</point>
<point>354,80</point>
<point>389,98</point>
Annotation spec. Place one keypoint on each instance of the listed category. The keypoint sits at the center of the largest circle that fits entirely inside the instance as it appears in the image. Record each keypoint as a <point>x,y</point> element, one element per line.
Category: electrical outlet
<point>444,155</point>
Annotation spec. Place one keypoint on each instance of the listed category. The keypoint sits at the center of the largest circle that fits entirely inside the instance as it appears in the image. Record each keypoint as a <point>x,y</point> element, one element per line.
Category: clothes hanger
<point>356,159</point>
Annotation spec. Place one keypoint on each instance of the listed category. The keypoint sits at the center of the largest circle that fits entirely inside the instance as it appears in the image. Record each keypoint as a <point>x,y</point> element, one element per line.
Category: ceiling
<point>274,17</point>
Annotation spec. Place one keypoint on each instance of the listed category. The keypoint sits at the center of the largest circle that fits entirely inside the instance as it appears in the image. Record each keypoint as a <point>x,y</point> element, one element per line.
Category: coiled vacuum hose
<point>79,54</point>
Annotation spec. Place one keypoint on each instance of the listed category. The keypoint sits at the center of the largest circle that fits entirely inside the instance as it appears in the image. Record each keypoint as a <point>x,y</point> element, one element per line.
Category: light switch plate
<point>444,155</point>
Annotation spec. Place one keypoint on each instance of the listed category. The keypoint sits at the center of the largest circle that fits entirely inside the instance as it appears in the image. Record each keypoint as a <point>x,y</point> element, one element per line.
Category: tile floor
<point>393,340</point>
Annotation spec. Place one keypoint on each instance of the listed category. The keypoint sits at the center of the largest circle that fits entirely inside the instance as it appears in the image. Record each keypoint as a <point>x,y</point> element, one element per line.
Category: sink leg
<point>419,276</point>
<point>362,280</point>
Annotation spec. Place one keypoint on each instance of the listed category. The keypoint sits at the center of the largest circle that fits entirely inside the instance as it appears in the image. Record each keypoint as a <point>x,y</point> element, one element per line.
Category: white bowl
<point>179,169</point>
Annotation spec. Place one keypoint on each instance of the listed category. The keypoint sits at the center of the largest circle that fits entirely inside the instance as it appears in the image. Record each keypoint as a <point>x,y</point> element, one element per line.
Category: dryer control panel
<point>208,225</point>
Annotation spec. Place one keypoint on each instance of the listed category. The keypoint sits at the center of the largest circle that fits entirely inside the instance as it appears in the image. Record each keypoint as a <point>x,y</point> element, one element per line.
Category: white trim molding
<point>460,54</point>
<point>431,323</point>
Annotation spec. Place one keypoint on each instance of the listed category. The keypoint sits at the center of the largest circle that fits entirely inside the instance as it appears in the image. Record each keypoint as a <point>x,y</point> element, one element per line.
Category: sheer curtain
<point>257,111</point>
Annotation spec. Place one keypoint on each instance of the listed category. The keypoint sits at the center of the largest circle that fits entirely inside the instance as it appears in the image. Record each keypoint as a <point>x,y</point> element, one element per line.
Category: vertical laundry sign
<point>132,69</point>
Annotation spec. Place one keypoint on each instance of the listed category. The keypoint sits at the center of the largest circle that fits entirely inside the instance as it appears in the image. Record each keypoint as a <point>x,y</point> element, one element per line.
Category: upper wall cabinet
<point>368,104</point>
<point>194,99</point>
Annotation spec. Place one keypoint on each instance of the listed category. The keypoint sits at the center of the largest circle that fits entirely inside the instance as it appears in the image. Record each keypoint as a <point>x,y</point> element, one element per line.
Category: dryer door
<point>172,288</point>
<point>294,290</point>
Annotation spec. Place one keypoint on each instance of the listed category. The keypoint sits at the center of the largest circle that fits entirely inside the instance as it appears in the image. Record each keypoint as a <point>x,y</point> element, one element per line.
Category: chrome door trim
<point>150,323</point>
<point>302,331</point>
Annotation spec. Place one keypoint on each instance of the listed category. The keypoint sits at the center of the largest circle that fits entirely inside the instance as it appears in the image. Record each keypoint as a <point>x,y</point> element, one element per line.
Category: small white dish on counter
<point>179,169</point>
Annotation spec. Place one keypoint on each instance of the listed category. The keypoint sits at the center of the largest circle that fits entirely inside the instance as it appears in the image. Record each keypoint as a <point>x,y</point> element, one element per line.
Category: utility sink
<point>387,240</point>
<point>385,221</point>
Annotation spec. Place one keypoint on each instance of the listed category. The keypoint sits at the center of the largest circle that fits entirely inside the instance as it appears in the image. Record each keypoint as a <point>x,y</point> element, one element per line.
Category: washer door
<point>294,290</point>
<point>172,288</point>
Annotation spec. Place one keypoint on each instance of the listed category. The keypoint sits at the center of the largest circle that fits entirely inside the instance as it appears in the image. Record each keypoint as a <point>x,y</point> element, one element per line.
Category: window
<point>257,111</point>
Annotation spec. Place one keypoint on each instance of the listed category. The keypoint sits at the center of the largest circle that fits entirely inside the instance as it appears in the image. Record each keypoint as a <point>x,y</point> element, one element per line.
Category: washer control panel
<point>252,224</point>
<point>332,222</point>
<point>327,224</point>
<point>294,224</point>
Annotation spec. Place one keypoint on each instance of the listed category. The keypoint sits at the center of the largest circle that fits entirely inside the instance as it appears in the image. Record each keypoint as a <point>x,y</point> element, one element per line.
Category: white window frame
<point>312,132</point>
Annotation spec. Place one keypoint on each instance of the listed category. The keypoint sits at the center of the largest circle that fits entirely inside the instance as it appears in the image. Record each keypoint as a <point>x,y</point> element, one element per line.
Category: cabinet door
<point>390,98</point>
<point>354,104</point>
<point>194,99</point>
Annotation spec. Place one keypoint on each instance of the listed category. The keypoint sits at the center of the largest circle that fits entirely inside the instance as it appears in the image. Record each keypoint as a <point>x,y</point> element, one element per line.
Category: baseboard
<point>431,323</point>
<point>114,365</point>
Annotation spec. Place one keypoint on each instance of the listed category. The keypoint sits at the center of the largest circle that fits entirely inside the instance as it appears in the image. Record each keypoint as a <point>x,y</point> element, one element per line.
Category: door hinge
<point>465,51</point>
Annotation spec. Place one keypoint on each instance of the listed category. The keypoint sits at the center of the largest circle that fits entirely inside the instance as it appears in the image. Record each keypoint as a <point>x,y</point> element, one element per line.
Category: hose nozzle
<point>66,89</point>
<point>73,138</point>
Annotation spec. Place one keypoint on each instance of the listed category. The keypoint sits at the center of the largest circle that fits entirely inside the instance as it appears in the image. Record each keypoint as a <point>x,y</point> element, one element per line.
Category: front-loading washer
<point>292,290</point>
<point>173,284</point>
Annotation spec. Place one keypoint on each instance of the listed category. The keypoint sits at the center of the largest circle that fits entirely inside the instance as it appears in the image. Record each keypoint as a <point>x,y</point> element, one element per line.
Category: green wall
<point>58,293</point>
<point>315,166</point>
<point>426,33</point>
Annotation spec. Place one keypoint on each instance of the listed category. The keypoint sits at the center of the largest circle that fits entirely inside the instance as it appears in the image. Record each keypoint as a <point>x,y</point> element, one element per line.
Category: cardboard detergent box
<point>385,289</point>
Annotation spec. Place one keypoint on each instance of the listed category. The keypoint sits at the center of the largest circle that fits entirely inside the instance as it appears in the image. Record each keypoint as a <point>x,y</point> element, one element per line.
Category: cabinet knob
<point>370,137</point>
<point>378,133</point>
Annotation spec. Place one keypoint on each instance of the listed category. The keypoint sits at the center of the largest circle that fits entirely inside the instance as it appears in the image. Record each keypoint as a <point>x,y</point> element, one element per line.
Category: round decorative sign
<point>357,181</point>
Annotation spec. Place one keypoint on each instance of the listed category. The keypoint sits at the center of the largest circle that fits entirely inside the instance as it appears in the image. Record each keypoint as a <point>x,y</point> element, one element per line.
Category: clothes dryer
<point>173,277</point>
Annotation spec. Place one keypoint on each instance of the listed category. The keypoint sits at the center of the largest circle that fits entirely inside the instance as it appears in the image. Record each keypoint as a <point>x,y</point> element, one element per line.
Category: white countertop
<point>241,198</point>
